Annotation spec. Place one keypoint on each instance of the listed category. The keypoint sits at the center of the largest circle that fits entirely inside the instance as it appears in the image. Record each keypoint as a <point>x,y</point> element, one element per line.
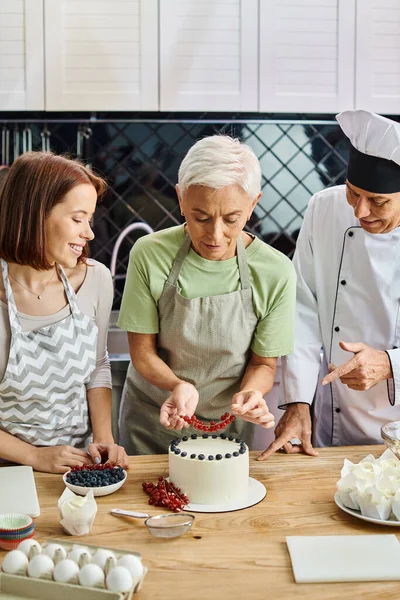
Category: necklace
<point>38,296</point>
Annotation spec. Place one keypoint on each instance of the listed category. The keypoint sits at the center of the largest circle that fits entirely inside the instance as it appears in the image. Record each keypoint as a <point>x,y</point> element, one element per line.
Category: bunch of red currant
<point>92,467</point>
<point>226,419</point>
<point>165,494</point>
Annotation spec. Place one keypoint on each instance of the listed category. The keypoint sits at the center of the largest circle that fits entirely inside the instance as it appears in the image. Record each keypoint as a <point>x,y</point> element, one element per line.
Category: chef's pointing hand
<point>294,423</point>
<point>367,367</point>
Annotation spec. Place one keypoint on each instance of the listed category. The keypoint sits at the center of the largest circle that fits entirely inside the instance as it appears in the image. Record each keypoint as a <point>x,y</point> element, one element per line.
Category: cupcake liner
<point>12,544</point>
<point>14,522</point>
<point>20,535</point>
<point>4,532</point>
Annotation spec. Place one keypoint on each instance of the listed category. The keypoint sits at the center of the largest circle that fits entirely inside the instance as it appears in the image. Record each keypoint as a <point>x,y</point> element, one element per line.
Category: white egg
<point>101,556</point>
<point>55,551</point>
<point>81,556</point>
<point>40,566</point>
<point>66,571</point>
<point>132,563</point>
<point>119,580</point>
<point>91,576</point>
<point>30,548</point>
<point>15,562</point>
<point>80,547</point>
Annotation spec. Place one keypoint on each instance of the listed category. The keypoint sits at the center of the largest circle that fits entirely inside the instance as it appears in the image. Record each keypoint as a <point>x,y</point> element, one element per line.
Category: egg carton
<point>77,591</point>
<point>14,586</point>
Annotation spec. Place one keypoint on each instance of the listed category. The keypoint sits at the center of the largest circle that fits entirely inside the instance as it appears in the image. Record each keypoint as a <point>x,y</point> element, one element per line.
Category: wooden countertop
<point>240,555</point>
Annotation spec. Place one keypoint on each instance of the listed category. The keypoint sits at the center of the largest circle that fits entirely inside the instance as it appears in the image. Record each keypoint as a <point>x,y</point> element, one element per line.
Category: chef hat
<point>374,160</point>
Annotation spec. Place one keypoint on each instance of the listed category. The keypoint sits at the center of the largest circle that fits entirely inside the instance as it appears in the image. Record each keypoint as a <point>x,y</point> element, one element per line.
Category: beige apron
<point>205,341</point>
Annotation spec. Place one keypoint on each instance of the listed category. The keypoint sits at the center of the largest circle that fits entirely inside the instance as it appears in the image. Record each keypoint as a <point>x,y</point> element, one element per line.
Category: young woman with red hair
<point>55,378</point>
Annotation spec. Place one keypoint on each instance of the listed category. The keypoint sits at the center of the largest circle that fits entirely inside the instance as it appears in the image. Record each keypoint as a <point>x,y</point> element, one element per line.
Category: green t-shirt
<point>272,278</point>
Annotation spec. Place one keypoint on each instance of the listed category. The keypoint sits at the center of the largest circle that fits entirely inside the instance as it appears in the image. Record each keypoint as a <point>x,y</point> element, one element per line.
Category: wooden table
<point>230,556</point>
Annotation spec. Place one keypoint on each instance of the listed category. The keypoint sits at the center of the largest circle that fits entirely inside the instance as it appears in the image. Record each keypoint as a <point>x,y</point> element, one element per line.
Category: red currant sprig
<point>92,467</point>
<point>165,494</point>
<point>226,419</point>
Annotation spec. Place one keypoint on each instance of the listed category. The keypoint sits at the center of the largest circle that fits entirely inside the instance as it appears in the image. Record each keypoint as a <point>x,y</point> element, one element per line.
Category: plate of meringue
<point>370,489</point>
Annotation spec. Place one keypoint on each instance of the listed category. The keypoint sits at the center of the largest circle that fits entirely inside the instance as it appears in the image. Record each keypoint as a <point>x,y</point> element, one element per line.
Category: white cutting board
<point>18,491</point>
<point>319,559</point>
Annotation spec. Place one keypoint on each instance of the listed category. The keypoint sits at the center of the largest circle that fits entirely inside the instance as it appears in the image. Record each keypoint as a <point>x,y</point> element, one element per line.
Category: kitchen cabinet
<point>21,55</point>
<point>279,56</point>
<point>209,55</point>
<point>101,55</point>
<point>378,56</point>
<point>306,55</point>
<point>313,56</point>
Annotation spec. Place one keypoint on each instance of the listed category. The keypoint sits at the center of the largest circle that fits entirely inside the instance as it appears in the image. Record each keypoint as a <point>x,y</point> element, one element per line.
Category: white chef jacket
<point>348,288</point>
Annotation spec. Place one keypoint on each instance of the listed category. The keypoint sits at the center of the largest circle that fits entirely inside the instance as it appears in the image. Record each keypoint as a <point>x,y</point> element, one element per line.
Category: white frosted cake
<point>210,469</point>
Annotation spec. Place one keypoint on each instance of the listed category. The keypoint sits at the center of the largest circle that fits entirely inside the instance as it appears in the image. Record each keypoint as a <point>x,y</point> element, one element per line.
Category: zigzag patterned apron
<point>43,395</point>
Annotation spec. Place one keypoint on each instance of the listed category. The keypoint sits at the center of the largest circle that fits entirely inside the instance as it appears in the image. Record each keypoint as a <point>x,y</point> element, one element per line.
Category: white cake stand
<point>256,493</point>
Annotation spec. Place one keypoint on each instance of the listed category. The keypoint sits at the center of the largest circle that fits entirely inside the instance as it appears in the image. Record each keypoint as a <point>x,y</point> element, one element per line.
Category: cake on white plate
<point>209,468</point>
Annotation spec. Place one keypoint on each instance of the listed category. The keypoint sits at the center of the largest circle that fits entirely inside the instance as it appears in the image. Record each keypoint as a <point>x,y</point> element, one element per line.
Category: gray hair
<point>220,160</point>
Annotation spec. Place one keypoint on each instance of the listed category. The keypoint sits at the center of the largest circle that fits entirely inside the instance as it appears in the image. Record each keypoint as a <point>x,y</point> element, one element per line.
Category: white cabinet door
<point>378,56</point>
<point>209,55</point>
<point>307,55</point>
<point>101,54</point>
<point>21,55</point>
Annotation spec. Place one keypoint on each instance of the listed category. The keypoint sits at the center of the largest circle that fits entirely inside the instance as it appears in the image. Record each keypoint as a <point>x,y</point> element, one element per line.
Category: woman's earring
<point>182,214</point>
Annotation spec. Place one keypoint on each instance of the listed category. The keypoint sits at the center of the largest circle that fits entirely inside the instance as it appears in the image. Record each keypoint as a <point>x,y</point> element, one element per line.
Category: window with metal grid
<point>140,160</point>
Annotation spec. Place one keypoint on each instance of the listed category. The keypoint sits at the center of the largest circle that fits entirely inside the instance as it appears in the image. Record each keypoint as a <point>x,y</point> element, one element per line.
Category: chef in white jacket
<point>348,301</point>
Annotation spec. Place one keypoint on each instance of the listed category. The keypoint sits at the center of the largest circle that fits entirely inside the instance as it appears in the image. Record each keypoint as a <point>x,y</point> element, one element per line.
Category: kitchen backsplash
<point>140,159</point>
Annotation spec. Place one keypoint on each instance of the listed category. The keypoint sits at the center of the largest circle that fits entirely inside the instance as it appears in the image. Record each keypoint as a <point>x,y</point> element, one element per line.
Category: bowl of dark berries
<point>102,479</point>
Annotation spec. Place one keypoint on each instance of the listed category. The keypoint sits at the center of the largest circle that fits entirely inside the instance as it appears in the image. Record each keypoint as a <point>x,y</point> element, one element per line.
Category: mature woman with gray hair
<point>208,307</point>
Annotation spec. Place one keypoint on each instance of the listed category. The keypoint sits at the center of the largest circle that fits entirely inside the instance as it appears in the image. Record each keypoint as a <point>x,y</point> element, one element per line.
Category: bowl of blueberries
<point>102,479</point>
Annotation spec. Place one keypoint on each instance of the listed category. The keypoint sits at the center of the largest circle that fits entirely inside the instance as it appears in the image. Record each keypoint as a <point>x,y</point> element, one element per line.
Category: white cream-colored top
<point>348,288</point>
<point>94,298</point>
